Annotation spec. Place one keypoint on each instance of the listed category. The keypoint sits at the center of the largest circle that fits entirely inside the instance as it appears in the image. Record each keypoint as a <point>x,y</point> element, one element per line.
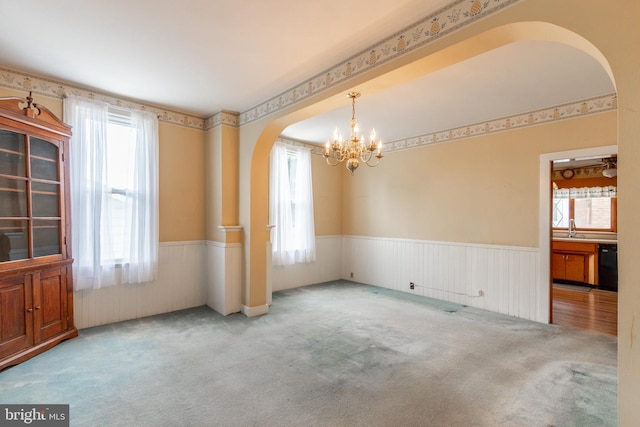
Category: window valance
<point>585,192</point>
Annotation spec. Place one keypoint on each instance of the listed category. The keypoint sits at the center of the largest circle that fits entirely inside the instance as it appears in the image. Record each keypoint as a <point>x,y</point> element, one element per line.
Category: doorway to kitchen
<point>578,241</point>
<point>582,237</point>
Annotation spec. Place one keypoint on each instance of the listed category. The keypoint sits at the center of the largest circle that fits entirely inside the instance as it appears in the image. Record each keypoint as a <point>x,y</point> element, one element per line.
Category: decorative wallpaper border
<point>571,110</point>
<point>450,18</point>
<point>22,81</point>
<point>41,86</point>
<point>581,172</point>
<point>229,118</point>
<point>564,111</point>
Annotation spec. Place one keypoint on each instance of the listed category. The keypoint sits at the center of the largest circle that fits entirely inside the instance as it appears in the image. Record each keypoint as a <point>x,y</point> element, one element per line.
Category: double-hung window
<point>121,134</point>
<point>291,205</point>
<point>114,193</point>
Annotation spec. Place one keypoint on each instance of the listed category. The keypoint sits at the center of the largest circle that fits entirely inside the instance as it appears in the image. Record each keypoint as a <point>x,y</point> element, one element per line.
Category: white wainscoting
<point>181,284</point>
<point>502,279</point>
<point>328,266</point>
<point>224,277</point>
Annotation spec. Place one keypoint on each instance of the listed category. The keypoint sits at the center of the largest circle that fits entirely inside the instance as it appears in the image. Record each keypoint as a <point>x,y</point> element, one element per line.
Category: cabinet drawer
<point>580,247</point>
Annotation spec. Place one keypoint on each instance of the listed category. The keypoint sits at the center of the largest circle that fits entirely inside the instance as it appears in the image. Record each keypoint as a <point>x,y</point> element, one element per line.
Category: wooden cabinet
<point>36,286</point>
<point>567,266</point>
<point>16,329</point>
<point>574,261</point>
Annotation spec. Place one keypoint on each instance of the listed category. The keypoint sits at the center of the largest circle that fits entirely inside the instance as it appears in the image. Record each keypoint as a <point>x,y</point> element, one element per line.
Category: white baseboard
<point>258,310</point>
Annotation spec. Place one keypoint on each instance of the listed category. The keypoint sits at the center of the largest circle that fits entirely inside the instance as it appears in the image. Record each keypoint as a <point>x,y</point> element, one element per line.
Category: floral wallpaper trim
<point>450,18</point>
<point>41,86</point>
<point>582,172</point>
<point>228,118</point>
<point>547,115</point>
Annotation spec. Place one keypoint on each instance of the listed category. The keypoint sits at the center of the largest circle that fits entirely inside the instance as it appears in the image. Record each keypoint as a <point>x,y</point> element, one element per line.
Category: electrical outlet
<point>412,285</point>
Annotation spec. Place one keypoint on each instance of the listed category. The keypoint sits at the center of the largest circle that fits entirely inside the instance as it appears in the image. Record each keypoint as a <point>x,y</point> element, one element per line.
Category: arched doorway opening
<point>401,70</point>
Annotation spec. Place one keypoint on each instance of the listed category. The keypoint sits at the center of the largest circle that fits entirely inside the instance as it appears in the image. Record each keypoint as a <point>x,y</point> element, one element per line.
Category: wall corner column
<point>224,234</point>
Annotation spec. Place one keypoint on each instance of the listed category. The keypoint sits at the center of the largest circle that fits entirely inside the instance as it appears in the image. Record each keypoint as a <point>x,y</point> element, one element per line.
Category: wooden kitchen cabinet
<point>36,286</point>
<point>572,267</point>
<point>574,261</point>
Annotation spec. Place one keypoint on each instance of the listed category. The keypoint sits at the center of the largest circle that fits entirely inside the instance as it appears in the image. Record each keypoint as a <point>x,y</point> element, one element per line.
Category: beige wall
<point>213,183</point>
<point>327,196</point>
<point>182,207</point>
<point>476,190</point>
<point>221,174</point>
<point>181,175</point>
<point>229,174</point>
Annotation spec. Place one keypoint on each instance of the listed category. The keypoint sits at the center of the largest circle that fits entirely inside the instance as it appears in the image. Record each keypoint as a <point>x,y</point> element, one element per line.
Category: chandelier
<point>354,150</point>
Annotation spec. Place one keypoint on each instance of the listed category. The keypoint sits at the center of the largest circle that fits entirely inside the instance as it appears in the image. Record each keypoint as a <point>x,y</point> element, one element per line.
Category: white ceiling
<point>203,56</point>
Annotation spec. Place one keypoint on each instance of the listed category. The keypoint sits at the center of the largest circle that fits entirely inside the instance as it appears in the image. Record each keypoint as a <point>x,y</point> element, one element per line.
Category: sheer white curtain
<point>291,205</point>
<point>93,202</point>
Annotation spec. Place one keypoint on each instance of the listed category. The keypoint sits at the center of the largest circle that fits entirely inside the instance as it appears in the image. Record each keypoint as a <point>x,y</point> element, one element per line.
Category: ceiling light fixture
<point>610,170</point>
<point>354,150</point>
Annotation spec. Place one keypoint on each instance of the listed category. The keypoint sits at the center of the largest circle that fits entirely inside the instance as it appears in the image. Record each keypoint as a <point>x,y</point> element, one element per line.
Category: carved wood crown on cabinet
<point>36,283</point>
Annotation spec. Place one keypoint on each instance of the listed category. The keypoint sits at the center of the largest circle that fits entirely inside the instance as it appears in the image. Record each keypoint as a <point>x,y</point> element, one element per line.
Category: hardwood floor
<point>595,310</point>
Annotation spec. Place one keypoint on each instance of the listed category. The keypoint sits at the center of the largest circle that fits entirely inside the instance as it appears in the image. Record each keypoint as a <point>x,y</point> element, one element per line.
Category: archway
<point>403,69</point>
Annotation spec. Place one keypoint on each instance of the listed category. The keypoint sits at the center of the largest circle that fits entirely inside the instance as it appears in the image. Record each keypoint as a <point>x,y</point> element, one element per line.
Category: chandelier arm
<point>329,158</point>
<point>340,155</point>
<point>371,158</point>
<point>366,156</point>
<point>373,165</point>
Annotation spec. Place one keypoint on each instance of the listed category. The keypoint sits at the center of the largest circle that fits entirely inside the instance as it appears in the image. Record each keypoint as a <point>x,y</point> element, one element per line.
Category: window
<point>114,193</point>
<point>593,213</point>
<point>591,210</point>
<point>121,138</point>
<point>291,205</point>
<point>560,217</point>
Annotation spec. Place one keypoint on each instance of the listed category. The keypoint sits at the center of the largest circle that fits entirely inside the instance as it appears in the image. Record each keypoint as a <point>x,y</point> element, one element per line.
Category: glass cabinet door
<point>13,197</point>
<point>30,197</point>
<point>45,197</point>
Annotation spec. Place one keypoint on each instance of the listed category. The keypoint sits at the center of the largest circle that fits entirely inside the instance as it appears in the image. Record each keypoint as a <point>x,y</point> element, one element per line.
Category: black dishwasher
<point>608,267</point>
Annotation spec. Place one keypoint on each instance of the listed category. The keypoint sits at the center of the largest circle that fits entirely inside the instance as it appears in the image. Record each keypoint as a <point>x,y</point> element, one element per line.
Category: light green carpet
<point>337,354</point>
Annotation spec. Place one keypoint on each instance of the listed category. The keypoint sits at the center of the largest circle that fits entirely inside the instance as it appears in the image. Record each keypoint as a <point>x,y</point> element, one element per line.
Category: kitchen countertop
<point>585,240</point>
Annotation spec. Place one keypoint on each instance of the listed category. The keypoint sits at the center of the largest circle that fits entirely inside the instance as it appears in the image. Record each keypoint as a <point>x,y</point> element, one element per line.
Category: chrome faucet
<point>572,228</point>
